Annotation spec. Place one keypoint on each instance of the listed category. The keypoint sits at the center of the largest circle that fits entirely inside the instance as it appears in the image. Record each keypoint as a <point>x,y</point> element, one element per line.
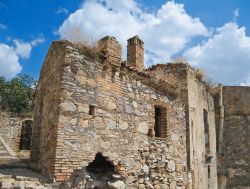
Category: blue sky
<point>210,34</point>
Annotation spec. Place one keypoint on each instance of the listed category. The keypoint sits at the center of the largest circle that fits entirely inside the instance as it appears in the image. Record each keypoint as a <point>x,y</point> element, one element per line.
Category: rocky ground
<point>14,174</point>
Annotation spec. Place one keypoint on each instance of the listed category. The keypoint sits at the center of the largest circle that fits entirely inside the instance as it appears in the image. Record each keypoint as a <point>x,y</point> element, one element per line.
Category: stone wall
<point>201,161</point>
<point>202,142</point>
<point>11,127</point>
<point>233,167</point>
<point>46,112</point>
<point>88,109</point>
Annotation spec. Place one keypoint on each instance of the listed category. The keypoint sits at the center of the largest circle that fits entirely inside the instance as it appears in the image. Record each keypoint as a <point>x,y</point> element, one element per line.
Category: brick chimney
<point>135,53</point>
<point>111,50</point>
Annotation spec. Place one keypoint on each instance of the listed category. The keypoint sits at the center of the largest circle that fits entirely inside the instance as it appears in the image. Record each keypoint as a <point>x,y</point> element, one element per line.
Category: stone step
<point>3,153</point>
<point>13,166</point>
<point>6,157</point>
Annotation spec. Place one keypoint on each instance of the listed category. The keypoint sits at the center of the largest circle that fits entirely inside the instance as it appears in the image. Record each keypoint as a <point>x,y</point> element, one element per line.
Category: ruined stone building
<point>15,134</point>
<point>132,116</point>
<point>116,121</point>
<point>233,120</point>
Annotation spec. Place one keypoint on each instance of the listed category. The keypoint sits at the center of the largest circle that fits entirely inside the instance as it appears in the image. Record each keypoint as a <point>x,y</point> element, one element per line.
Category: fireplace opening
<point>101,165</point>
<point>101,173</point>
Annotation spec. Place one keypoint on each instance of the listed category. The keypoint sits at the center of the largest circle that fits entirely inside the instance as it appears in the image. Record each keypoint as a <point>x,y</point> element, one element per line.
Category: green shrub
<point>17,95</point>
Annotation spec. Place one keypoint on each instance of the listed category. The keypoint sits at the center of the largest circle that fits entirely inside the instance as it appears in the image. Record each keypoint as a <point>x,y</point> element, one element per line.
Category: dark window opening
<point>206,129</point>
<point>100,165</point>
<point>113,75</point>
<point>26,133</point>
<point>157,122</point>
<point>160,122</point>
<point>92,110</point>
<point>208,171</point>
<point>150,133</point>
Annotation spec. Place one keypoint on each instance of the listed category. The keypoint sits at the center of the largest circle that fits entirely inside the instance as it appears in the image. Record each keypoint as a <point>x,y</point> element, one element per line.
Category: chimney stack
<point>111,50</point>
<point>135,53</point>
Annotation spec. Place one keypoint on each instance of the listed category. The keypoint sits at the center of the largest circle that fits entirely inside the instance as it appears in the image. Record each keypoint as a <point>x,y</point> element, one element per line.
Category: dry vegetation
<point>199,74</point>
<point>85,45</point>
<point>89,50</point>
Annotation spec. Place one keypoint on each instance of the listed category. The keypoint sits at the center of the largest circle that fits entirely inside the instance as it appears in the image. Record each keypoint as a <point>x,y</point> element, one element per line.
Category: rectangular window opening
<point>209,171</point>
<point>157,122</point>
<point>92,110</point>
<point>206,130</point>
<point>160,122</point>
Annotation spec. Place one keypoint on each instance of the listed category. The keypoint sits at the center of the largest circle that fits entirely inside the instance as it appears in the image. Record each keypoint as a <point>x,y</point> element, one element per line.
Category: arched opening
<point>26,132</point>
<point>101,171</point>
<point>101,165</point>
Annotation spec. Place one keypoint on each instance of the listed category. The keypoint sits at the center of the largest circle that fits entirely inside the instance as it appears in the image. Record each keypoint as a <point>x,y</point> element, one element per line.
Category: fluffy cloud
<point>165,32</point>
<point>9,61</point>
<point>225,55</point>
<point>10,56</point>
<point>22,49</point>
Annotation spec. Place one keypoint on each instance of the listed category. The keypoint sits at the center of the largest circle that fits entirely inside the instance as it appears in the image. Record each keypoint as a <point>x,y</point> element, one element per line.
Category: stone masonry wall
<point>46,112</point>
<point>234,164</point>
<point>11,127</point>
<point>124,113</point>
<point>203,161</point>
<point>194,95</point>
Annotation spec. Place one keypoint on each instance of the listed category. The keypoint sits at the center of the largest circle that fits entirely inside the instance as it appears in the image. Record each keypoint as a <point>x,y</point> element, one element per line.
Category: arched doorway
<point>26,133</point>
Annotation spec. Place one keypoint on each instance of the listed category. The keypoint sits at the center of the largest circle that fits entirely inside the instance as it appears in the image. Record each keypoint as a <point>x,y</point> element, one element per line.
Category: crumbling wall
<point>108,111</point>
<point>46,112</point>
<point>11,127</point>
<point>202,140</point>
<point>181,78</point>
<point>234,161</point>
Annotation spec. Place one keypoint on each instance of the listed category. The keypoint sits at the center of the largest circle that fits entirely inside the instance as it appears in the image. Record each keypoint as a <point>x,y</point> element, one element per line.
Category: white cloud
<point>37,41</point>
<point>9,61</point>
<point>22,49</point>
<point>2,26</point>
<point>236,14</point>
<point>62,11</point>
<point>225,56</point>
<point>10,56</point>
<point>165,32</point>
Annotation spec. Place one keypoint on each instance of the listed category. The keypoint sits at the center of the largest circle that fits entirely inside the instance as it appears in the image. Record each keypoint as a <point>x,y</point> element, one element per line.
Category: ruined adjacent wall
<point>233,166</point>
<point>201,161</point>
<point>124,107</point>
<point>11,127</point>
<point>46,111</point>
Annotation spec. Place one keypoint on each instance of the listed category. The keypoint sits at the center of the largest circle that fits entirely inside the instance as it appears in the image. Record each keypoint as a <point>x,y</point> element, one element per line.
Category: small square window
<point>92,110</point>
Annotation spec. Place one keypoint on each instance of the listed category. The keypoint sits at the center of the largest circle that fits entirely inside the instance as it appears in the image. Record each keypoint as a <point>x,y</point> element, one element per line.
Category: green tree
<point>17,95</point>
